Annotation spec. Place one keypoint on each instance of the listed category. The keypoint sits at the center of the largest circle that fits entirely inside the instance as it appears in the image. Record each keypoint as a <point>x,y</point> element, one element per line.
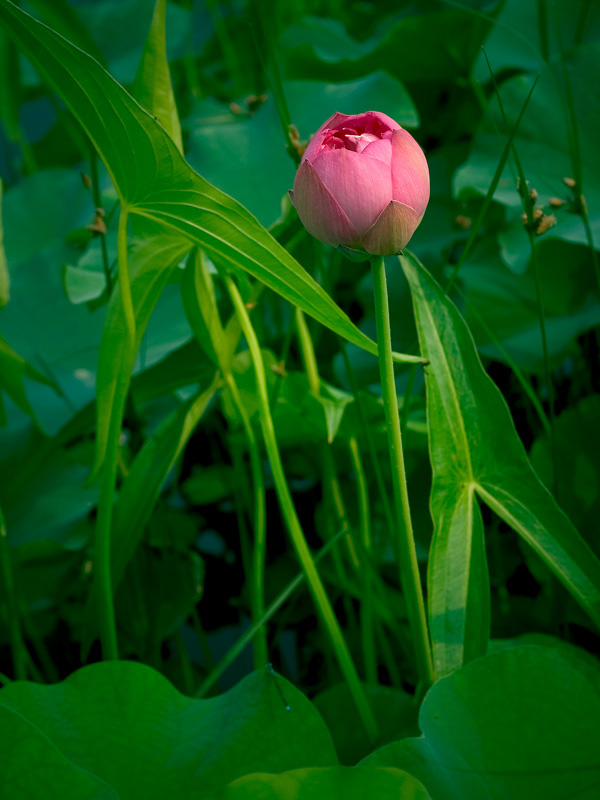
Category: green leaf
<point>518,724</point>
<point>475,448</point>
<point>32,766</point>
<point>153,88</point>
<point>62,17</point>
<point>176,747</point>
<point>154,181</point>
<point>335,783</point>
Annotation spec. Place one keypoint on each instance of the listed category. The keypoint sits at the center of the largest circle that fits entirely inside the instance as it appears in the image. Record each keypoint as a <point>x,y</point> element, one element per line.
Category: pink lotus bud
<point>363,182</point>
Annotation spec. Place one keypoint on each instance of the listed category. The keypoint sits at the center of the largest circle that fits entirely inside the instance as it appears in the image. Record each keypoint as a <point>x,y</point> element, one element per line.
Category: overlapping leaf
<point>475,449</point>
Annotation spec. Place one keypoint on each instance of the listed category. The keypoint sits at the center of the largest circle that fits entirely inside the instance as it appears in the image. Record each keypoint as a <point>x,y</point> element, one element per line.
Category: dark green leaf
<point>176,747</point>
<point>518,724</point>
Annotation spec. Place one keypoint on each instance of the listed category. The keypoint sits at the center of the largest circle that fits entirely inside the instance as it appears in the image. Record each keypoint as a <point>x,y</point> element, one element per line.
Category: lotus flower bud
<point>363,182</point>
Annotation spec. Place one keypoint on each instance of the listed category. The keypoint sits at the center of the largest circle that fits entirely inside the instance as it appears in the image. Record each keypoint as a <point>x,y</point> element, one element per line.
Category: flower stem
<point>293,523</point>
<point>259,524</point>
<point>409,568</point>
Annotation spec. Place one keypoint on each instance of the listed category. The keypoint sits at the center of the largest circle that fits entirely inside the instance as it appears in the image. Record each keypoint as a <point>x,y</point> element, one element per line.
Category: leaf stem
<point>291,519</point>
<point>409,567</point>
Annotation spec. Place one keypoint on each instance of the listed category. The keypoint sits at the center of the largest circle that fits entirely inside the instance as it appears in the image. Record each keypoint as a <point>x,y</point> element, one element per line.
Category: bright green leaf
<point>153,88</point>
<point>475,447</point>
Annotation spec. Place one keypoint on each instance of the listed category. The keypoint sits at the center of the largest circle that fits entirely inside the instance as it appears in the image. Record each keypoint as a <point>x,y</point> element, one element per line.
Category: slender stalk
<point>375,465</point>
<point>329,473</point>
<point>17,645</point>
<point>293,524</point>
<point>102,543</point>
<point>240,645</point>
<point>366,608</point>
<point>259,524</point>
<point>546,357</point>
<point>409,567</point>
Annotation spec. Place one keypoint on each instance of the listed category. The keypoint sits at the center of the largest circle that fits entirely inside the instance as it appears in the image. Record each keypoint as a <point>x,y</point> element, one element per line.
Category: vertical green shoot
<point>293,524</point>
<point>409,567</point>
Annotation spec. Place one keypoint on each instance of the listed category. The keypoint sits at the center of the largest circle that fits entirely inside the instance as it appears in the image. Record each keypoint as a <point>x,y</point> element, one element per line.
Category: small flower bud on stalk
<point>363,183</point>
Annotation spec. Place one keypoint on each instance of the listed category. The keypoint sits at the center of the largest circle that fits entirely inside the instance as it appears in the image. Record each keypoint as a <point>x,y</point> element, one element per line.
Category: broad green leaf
<point>176,747</point>
<point>334,783</point>
<point>521,723</point>
<point>152,259</point>
<point>153,88</point>
<point>4,276</point>
<point>153,180</point>
<point>475,447</point>
<point>33,766</point>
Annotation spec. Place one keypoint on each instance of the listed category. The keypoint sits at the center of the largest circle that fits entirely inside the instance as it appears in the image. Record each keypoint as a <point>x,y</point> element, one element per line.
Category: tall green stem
<point>366,607</point>
<point>293,524</point>
<point>102,543</point>
<point>259,526</point>
<point>409,568</point>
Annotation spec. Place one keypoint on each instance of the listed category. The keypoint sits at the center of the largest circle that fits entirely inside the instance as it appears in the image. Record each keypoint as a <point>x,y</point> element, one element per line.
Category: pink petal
<point>314,146</point>
<point>361,185</point>
<point>362,121</point>
<point>381,149</point>
<point>319,211</point>
<point>410,173</point>
<point>392,230</point>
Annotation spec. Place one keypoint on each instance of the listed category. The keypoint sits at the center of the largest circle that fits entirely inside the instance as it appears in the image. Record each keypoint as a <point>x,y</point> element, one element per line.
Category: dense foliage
<point>211,583</point>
